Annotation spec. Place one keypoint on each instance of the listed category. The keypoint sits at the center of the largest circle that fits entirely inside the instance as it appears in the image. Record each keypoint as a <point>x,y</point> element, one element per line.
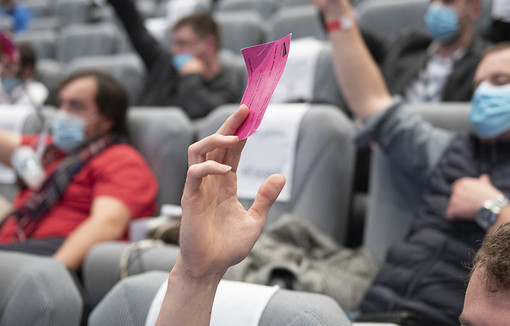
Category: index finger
<point>235,121</point>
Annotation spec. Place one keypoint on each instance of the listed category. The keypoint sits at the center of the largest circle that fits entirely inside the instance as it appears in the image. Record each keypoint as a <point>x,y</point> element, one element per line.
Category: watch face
<point>485,217</point>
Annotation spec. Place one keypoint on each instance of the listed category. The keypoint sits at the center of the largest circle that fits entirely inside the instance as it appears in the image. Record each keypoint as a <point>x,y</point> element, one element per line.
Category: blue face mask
<point>490,110</point>
<point>68,131</point>
<point>10,83</point>
<point>180,60</point>
<point>442,22</point>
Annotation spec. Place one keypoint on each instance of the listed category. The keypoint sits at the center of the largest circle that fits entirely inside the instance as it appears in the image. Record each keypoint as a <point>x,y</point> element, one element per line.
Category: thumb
<point>485,178</point>
<point>267,194</point>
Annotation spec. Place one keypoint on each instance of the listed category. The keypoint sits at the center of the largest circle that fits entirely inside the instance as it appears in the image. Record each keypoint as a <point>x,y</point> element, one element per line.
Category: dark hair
<point>27,55</point>
<point>494,258</point>
<point>111,97</point>
<point>496,48</point>
<point>202,24</point>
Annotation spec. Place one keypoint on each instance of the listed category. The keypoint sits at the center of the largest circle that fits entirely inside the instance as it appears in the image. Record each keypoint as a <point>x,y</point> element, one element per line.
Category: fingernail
<point>231,137</point>
<point>226,167</point>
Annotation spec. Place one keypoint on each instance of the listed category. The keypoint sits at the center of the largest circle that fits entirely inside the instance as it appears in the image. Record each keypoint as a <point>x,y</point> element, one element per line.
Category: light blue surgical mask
<point>490,110</point>
<point>9,84</point>
<point>442,22</point>
<point>68,131</point>
<point>180,60</point>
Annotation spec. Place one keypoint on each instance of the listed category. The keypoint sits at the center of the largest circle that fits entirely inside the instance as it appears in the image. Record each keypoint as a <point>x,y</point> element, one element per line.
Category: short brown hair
<point>494,258</point>
<point>202,24</point>
<point>496,48</point>
<point>111,97</point>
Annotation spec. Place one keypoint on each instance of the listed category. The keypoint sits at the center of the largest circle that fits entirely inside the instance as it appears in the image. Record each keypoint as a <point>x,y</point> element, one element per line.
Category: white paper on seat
<point>501,10</point>
<point>235,303</point>
<point>272,149</point>
<point>158,28</point>
<point>12,119</point>
<point>176,9</point>
<point>298,79</point>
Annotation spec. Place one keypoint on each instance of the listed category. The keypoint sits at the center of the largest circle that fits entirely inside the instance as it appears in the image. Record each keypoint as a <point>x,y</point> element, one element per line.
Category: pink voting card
<point>265,64</point>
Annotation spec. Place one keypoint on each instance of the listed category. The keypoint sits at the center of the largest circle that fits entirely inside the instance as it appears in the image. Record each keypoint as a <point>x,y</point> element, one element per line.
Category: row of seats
<point>323,179</point>
<point>391,201</point>
<point>238,28</point>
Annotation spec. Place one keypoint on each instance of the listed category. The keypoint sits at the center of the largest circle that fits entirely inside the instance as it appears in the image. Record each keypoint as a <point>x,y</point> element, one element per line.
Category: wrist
<point>489,212</point>
<point>342,23</point>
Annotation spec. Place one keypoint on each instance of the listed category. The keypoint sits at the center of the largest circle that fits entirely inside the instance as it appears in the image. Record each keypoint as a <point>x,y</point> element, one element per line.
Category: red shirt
<point>119,171</point>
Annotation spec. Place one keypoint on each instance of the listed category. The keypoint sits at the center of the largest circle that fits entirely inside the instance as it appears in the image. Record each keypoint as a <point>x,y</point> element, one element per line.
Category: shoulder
<point>119,156</point>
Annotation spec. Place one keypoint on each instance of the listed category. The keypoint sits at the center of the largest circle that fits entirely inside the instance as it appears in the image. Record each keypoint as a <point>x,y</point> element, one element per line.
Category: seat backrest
<point>162,136</point>
<point>42,41</point>
<point>392,17</point>
<point>72,11</point>
<point>393,198</point>
<point>129,302</point>
<point>301,21</point>
<point>50,72</point>
<point>326,88</point>
<point>87,40</point>
<point>126,68</point>
<point>239,29</point>
<point>264,7</point>
<point>324,163</point>
<point>37,290</point>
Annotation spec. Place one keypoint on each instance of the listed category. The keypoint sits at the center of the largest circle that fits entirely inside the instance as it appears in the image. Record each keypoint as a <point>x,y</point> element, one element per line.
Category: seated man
<point>433,67</point>
<point>95,184</point>
<point>16,77</point>
<point>466,176</point>
<point>190,75</point>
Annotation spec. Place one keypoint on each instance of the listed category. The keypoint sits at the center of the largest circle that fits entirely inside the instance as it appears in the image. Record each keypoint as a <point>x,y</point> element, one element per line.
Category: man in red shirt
<point>95,183</point>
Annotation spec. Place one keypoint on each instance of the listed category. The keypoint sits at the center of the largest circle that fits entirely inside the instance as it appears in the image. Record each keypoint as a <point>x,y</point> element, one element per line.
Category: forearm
<point>359,77</point>
<point>74,250</point>
<point>9,141</point>
<point>146,46</point>
<point>188,301</point>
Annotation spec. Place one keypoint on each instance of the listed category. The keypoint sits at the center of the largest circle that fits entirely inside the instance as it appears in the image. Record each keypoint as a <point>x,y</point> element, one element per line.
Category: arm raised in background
<point>216,231</point>
<point>147,47</point>
<point>9,141</point>
<point>358,76</point>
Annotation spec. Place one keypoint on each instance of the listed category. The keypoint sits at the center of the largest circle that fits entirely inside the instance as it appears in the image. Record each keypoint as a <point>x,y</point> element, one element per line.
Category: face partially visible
<point>185,40</point>
<point>483,308</point>
<point>494,69</point>
<point>468,10</point>
<point>79,98</point>
<point>9,68</point>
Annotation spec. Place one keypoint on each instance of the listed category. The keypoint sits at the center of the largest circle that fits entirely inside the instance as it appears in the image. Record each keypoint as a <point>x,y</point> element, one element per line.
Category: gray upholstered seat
<point>87,40</point>
<point>37,291</point>
<point>72,11</point>
<point>392,196</point>
<point>264,7</point>
<point>126,68</point>
<point>42,41</point>
<point>129,301</point>
<point>301,21</point>
<point>162,136</point>
<point>239,29</point>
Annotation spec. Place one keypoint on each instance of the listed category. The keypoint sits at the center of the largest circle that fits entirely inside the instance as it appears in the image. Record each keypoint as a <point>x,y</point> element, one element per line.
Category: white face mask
<point>68,131</point>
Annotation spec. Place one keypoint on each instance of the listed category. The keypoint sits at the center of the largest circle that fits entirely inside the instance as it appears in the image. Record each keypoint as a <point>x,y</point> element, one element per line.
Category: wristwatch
<point>488,212</point>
